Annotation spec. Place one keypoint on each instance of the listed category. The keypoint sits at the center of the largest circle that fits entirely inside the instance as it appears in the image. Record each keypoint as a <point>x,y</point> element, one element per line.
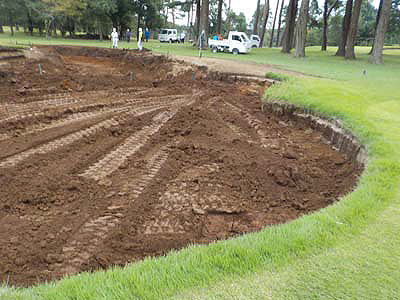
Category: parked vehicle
<point>237,42</point>
<point>168,35</point>
<point>255,41</point>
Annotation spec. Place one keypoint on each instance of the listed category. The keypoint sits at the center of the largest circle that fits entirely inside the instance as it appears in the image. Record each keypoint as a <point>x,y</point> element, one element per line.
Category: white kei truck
<point>237,42</point>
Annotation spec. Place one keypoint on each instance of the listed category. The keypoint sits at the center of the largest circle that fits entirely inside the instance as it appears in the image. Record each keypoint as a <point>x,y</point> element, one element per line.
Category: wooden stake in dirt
<point>131,76</point>
<point>40,69</point>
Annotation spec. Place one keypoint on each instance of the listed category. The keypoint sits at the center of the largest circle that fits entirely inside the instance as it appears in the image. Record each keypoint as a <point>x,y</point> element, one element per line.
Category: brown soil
<point>97,169</point>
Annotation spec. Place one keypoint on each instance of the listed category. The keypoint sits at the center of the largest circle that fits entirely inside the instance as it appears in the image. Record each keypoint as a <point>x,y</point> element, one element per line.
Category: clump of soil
<point>110,156</point>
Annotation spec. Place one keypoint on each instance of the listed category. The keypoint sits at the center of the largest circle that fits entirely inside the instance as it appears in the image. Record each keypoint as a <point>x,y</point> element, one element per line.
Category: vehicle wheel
<point>235,51</point>
<point>170,41</point>
<point>214,49</point>
<point>254,46</point>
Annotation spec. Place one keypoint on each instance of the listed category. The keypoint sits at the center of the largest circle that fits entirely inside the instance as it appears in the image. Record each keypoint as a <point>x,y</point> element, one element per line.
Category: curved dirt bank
<point>112,156</point>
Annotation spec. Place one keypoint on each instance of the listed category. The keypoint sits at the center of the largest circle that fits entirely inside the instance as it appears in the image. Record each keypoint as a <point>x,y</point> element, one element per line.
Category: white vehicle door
<point>236,41</point>
<point>246,40</point>
<point>256,41</point>
<point>163,35</point>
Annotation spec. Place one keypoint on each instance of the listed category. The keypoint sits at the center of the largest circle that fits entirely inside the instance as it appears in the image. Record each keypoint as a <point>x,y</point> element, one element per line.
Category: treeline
<point>93,17</point>
<point>352,21</point>
<point>293,24</point>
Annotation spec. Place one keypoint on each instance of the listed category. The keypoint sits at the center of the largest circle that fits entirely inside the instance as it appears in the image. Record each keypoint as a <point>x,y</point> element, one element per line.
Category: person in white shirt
<point>140,47</point>
<point>182,37</point>
<point>114,38</point>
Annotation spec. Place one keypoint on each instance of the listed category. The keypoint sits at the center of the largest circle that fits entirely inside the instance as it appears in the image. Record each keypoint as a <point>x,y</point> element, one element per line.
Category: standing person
<point>183,36</point>
<point>147,34</point>
<point>114,38</point>
<point>128,35</point>
<point>140,39</point>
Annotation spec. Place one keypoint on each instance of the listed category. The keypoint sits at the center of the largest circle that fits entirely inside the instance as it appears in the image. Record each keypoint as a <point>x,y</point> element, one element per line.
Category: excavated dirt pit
<point>97,169</point>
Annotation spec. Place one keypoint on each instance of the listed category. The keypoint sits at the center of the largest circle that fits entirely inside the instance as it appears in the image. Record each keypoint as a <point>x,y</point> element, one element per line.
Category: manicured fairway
<point>350,250</point>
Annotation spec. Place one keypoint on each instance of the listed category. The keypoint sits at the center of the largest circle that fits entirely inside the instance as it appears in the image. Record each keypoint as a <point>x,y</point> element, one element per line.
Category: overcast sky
<point>248,7</point>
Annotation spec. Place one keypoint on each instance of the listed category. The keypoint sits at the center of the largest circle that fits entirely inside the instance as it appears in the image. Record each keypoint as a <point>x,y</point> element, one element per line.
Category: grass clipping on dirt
<point>369,109</point>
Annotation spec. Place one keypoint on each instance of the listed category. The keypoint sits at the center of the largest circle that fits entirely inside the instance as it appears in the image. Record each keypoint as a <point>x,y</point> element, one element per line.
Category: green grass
<point>349,250</point>
<point>278,77</point>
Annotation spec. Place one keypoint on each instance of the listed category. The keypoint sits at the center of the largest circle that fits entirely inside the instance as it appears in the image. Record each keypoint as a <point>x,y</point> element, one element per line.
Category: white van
<point>168,35</point>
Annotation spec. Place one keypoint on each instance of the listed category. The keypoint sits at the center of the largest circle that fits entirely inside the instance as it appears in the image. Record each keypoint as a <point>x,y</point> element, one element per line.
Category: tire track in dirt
<point>84,243</point>
<point>253,122</point>
<point>179,199</point>
<point>70,138</point>
<point>116,158</point>
<point>89,106</point>
<point>53,145</point>
<point>63,122</point>
<point>13,112</point>
<point>54,97</point>
<point>80,116</point>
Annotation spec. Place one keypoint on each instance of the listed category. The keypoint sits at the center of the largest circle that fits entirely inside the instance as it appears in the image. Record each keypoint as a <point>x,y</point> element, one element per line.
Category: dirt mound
<point>96,52</point>
<point>100,167</point>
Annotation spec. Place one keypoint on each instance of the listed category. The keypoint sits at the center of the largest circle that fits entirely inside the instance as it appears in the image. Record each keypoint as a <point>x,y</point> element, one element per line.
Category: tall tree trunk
<point>198,11</point>
<point>191,16</point>
<point>279,25</point>
<point>191,28</point>
<point>173,16</point>
<point>376,25</point>
<point>188,18</point>
<point>287,40</point>
<point>204,22</point>
<point>229,19</point>
<point>166,15</point>
<point>352,35</point>
<point>219,16</point>
<point>301,30</point>
<point>273,25</point>
<point>30,23</point>
<point>40,27</point>
<point>376,56</point>
<point>327,12</point>
<point>265,21</point>
<point>257,17</point>
<point>345,28</point>
<point>325,27</point>
<point>49,28</point>
<point>1,29</point>
<point>11,23</point>
<point>99,28</point>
